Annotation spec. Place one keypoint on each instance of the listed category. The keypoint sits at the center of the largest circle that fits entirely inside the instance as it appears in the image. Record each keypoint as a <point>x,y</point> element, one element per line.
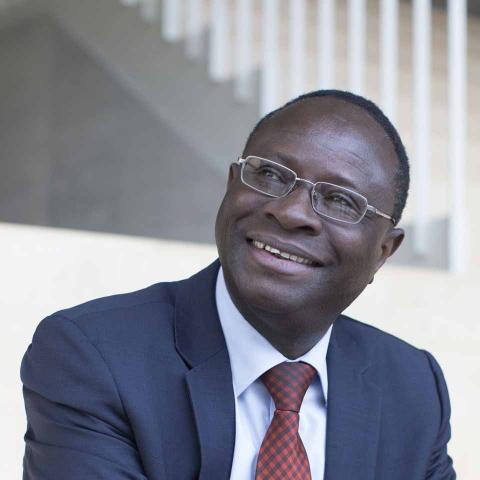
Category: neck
<point>289,344</point>
<point>292,335</point>
<point>293,330</point>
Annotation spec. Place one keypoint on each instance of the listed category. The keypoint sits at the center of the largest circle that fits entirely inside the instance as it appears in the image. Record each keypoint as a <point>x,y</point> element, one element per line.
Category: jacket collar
<point>199,340</point>
<point>198,333</point>
<point>354,404</point>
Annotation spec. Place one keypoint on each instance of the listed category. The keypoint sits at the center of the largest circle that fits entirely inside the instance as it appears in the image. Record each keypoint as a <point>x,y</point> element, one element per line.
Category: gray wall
<point>78,150</point>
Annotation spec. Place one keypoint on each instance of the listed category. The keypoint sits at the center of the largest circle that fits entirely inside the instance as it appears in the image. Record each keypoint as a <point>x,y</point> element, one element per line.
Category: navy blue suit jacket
<point>139,386</point>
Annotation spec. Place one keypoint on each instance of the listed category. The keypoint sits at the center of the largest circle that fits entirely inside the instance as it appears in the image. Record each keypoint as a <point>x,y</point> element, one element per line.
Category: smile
<point>281,254</point>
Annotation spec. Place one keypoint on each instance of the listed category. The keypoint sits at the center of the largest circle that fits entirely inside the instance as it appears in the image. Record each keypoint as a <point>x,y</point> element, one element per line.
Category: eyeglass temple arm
<point>379,212</point>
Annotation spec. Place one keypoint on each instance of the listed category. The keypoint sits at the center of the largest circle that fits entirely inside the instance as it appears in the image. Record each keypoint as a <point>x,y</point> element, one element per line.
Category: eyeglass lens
<point>327,199</point>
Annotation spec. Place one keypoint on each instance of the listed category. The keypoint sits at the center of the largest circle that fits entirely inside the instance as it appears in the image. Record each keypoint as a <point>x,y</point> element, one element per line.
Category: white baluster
<point>356,44</point>
<point>269,80</point>
<point>297,46</point>
<point>243,49</point>
<point>172,20</point>
<point>388,56</point>
<point>421,122</point>
<point>194,26</point>
<point>219,40</point>
<point>457,56</point>
<point>149,9</point>
<point>326,19</point>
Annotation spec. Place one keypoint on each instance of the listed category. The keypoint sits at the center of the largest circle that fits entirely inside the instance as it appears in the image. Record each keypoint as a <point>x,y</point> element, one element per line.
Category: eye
<point>340,199</point>
<point>270,173</point>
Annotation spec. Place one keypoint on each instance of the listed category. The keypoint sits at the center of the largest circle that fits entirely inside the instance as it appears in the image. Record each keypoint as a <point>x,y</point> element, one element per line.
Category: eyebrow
<point>331,176</point>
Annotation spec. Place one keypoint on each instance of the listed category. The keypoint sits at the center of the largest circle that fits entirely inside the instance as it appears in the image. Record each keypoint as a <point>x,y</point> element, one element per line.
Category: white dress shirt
<point>251,355</point>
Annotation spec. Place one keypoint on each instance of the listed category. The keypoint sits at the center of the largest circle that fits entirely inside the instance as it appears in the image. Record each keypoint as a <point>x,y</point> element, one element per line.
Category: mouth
<point>283,254</point>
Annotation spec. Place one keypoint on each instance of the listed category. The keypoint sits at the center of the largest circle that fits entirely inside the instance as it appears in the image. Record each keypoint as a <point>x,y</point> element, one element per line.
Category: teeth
<point>285,255</point>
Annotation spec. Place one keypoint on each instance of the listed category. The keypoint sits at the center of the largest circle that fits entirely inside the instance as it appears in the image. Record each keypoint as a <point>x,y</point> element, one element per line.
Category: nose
<point>295,211</point>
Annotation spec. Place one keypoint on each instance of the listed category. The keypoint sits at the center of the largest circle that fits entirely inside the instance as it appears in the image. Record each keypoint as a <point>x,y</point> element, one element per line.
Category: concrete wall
<point>79,148</point>
<point>178,90</point>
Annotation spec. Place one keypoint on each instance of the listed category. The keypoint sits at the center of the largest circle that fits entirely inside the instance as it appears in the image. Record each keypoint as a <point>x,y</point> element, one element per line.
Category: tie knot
<point>287,384</point>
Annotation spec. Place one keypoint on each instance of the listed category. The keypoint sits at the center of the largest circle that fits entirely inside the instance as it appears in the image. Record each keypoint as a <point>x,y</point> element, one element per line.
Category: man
<point>226,374</point>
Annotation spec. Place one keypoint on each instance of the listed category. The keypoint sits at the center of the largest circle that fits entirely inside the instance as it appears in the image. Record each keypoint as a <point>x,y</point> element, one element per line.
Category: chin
<point>263,295</point>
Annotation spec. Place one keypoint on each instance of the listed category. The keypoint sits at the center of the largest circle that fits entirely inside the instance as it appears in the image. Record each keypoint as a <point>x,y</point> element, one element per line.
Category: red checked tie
<point>282,455</point>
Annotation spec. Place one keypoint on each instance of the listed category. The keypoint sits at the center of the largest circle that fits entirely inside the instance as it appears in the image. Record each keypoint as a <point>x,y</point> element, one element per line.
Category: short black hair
<point>402,173</point>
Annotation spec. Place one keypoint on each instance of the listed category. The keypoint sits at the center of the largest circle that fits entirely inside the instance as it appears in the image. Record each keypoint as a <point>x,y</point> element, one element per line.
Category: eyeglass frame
<point>370,208</point>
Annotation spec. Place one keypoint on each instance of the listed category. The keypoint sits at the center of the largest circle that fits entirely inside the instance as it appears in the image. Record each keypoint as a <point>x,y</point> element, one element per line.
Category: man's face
<point>321,139</point>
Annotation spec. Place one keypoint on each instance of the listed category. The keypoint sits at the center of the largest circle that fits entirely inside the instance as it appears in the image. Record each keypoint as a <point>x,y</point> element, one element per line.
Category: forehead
<point>327,138</point>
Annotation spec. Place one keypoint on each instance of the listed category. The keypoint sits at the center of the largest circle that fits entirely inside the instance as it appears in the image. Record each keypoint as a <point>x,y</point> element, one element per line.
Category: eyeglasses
<point>328,200</point>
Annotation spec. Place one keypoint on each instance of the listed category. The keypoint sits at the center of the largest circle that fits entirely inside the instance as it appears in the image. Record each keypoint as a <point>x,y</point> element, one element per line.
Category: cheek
<point>357,251</point>
<point>241,205</point>
<point>244,200</point>
<point>236,205</point>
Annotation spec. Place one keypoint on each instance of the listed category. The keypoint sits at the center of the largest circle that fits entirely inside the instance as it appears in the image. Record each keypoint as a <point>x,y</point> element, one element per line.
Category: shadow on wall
<point>80,151</point>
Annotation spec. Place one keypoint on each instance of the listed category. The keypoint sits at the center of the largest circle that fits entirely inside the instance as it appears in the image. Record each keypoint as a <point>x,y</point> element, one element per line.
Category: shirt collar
<point>250,353</point>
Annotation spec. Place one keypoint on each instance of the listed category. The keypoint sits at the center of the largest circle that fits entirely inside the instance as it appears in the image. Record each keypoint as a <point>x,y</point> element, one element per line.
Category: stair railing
<point>233,59</point>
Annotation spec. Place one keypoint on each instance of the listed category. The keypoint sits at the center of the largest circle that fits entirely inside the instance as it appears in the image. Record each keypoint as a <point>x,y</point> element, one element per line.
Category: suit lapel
<point>200,341</point>
<point>210,387</point>
<point>354,409</point>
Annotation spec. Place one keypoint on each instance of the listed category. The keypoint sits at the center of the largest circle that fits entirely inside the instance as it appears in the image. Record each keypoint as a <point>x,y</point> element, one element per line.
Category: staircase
<point>182,73</point>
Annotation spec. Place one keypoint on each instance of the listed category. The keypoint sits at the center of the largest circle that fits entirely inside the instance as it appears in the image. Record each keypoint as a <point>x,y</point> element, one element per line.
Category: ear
<point>391,242</point>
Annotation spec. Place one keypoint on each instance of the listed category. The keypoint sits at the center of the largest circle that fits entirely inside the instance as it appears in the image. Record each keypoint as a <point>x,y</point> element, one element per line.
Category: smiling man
<point>249,370</point>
